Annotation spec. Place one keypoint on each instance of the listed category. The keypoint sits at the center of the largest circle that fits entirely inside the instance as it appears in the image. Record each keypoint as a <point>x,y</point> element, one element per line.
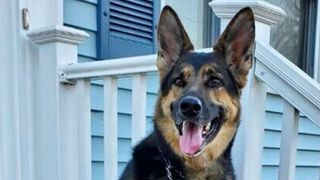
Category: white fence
<point>302,94</point>
<point>109,71</point>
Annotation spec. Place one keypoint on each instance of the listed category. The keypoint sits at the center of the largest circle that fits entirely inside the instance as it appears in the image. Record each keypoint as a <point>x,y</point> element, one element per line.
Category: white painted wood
<point>139,100</point>
<point>110,128</point>
<point>265,14</point>
<point>57,33</point>
<point>64,130</point>
<point>263,11</point>
<point>50,13</point>
<point>47,129</point>
<point>120,66</point>
<point>317,47</point>
<point>15,97</point>
<point>56,131</point>
<point>84,129</point>
<point>9,115</point>
<point>248,151</point>
<point>288,81</point>
<point>111,67</point>
<point>289,140</point>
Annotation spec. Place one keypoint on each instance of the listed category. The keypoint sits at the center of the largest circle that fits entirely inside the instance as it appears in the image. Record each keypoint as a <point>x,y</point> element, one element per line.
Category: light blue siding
<point>97,170</point>
<point>124,119</point>
<point>88,48</point>
<point>82,15</point>
<point>308,155</point>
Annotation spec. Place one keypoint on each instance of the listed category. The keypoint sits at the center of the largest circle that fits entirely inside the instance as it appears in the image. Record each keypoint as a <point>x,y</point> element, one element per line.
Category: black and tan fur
<point>215,80</point>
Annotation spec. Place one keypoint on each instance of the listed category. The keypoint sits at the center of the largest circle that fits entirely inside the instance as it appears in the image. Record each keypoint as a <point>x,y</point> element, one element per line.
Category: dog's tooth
<point>207,126</point>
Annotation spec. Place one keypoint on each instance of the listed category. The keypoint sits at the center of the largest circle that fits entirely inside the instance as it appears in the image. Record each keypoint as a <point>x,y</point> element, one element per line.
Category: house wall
<point>124,128</point>
<point>82,14</point>
<point>307,162</point>
<point>190,13</point>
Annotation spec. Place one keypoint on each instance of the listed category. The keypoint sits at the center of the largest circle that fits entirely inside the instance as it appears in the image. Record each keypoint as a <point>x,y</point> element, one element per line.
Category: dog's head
<point>199,98</point>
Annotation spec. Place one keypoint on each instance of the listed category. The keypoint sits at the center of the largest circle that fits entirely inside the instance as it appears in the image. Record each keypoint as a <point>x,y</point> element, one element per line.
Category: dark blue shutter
<point>126,28</point>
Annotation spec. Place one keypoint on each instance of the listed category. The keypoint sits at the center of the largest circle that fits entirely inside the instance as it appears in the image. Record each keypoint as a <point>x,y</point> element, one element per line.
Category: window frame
<point>309,33</point>
<point>316,74</point>
<point>211,25</point>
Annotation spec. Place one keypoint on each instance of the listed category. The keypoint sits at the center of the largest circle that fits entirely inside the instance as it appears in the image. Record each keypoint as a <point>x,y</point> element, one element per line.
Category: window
<point>126,28</point>
<point>211,25</point>
<point>294,37</point>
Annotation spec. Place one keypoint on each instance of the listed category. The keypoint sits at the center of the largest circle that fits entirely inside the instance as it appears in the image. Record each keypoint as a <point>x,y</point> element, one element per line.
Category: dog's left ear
<point>236,45</point>
<point>173,40</point>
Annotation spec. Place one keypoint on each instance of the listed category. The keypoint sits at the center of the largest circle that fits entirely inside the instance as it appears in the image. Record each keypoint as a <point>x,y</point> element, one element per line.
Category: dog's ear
<point>172,40</point>
<point>236,45</point>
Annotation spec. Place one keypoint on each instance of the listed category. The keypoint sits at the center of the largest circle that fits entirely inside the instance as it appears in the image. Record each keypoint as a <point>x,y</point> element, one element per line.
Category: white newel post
<point>61,112</point>
<point>248,146</point>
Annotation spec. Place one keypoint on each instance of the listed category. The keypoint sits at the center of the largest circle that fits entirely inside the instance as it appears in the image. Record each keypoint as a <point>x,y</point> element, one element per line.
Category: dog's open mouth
<point>193,137</point>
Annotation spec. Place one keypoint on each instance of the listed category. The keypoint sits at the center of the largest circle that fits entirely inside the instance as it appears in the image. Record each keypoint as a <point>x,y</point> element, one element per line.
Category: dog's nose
<point>190,106</point>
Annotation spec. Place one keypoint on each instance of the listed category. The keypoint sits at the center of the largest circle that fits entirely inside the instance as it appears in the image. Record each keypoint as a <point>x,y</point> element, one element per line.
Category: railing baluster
<point>139,98</point>
<point>289,139</point>
<point>84,129</point>
<point>110,128</point>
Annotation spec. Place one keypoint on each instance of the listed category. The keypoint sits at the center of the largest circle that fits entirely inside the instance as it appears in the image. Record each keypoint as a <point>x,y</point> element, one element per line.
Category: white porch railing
<point>302,94</point>
<point>109,71</point>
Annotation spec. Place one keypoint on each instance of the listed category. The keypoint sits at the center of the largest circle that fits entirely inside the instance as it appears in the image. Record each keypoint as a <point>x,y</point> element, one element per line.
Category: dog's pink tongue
<point>191,139</point>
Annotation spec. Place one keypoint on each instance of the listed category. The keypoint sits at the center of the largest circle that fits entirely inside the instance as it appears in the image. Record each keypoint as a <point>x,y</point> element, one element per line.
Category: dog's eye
<point>214,83</point>
<point>179,82</point>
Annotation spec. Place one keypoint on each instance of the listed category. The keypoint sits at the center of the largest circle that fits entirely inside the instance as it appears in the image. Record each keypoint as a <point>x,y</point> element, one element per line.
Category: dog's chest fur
<point>216,171</point>
<point>161,163</point>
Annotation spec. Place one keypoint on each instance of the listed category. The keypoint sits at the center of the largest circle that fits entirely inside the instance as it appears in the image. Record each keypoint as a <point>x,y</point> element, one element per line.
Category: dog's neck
<point>216,169</point>
<point>169,167</point>
<point>193,168</point>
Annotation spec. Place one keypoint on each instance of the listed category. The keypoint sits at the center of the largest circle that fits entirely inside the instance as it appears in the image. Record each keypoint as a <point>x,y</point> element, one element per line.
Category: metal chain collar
<point>169,167</point>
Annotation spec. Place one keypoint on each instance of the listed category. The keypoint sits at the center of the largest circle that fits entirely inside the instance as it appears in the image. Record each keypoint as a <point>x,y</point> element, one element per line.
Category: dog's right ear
<point>236,45</point>
<point>172,40</point>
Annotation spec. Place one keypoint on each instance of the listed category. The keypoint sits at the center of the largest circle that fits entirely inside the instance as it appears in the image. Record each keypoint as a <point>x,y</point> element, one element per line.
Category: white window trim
<point>317,47</point>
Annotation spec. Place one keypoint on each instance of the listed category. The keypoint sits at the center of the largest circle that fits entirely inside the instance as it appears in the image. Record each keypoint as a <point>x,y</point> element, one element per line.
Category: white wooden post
<point>110,128</point>
<point>11,104</point>
<point>248,147</point>
<point>139,99</point>
<point>19,59</point>
<point>289,140</point>
<point>61,143</point>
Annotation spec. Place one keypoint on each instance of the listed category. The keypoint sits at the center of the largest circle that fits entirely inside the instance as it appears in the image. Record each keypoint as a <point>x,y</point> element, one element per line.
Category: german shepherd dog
<point>198,109</point>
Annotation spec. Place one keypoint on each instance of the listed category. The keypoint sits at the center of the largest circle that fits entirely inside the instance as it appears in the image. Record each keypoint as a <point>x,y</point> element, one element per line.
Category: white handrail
<point>104,68</point>
<point>120,66</point>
